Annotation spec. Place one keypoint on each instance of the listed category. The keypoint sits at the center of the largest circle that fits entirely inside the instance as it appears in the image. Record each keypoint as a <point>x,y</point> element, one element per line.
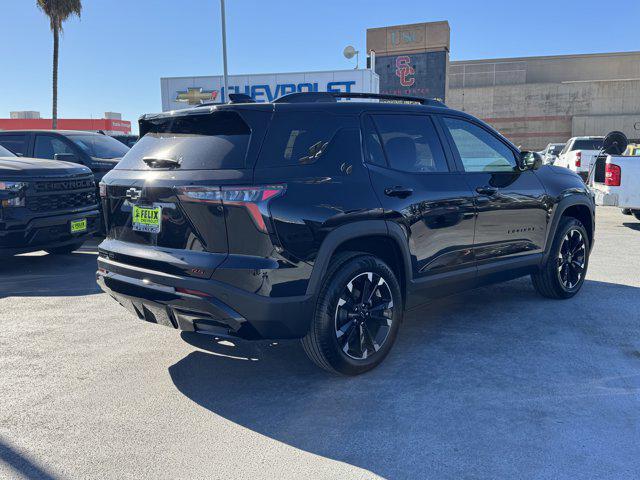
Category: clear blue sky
<point>113,57</point>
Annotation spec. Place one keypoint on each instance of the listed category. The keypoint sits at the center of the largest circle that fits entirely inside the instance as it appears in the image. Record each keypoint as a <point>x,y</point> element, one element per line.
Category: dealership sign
<point>183,92</point>
<point>419,74</point>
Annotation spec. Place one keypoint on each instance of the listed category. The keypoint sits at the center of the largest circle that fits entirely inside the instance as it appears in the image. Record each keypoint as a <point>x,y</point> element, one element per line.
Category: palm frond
<point>59,11</point>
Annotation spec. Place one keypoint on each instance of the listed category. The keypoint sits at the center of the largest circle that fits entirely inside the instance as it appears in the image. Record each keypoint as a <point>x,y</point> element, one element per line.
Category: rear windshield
<point>99,146</point>
<point>555,149</point>
<point>197,142</point>
<point>590,144</point>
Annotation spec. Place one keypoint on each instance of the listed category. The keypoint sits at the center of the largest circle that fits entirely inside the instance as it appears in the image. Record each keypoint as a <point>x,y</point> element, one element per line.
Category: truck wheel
<point>65,250</point>
<point>357,315</point>
<point>563,274</point>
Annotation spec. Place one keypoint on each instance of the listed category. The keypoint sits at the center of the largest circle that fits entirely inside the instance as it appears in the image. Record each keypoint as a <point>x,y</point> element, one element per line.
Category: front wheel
<point>357,315</point>
<point>563,273</point>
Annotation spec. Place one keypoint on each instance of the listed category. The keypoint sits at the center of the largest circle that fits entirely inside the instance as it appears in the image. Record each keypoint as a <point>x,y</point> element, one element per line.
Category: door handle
<point>486,190</point>
<point>398,191</point>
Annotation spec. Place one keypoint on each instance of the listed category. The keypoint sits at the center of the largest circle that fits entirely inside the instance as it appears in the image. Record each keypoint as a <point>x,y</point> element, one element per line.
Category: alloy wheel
<point>364,315</point>
<point>572,259</point>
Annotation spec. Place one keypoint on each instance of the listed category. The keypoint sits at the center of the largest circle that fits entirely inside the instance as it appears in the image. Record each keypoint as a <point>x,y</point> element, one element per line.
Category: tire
<point>563,274</point>
<point>65,250</point>
<point>344,336</point>
<point>637,214</point>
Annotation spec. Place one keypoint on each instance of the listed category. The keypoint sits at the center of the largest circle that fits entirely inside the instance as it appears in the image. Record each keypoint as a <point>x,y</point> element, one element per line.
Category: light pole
<point>224,50</point>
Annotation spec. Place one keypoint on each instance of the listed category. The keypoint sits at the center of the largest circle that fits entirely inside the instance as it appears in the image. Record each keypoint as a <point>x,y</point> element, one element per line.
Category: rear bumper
<point>213,308</point>
<point>45,232</point>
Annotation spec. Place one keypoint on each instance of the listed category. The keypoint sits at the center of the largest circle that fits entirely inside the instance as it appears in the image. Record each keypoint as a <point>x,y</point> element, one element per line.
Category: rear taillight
<point>612,175</point>
<point>253,199</point>
<point>578,159</point>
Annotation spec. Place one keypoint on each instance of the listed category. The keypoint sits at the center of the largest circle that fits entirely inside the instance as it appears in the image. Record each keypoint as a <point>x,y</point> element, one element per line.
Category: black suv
<point>45,205</point>
<point>322,217</point>
<point>98,152</point>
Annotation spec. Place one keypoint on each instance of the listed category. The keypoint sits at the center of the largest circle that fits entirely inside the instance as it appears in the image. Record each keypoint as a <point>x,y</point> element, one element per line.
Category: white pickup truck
<point>579,154</point>
<point>615,181</point>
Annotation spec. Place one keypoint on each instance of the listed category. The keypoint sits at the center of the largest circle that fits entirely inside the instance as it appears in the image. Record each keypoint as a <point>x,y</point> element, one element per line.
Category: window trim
<point>454,149</point>
<point>452,167</point>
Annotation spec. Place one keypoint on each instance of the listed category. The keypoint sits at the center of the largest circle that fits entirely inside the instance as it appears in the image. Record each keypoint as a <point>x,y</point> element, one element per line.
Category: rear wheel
<point>563,274</point>
<point>65,250</point>
<point>357,315</point>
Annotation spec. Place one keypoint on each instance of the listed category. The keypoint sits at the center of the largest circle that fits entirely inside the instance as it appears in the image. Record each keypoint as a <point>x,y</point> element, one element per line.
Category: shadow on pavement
<point>42,274</point>
<point>497,381</point>
<point>632,226</point>
<point>21,464</point>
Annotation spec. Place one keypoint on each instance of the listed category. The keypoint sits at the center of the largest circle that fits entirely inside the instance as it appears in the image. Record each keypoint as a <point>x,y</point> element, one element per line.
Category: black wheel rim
<point>364,315</point>
<point>572,259</point>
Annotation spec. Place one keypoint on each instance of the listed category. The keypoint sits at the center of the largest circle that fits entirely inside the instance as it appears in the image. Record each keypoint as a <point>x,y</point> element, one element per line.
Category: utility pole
<point>224,51</point>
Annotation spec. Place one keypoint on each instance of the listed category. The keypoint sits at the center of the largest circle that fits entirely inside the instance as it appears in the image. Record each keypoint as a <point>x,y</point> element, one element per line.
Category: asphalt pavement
<point>492,383</point>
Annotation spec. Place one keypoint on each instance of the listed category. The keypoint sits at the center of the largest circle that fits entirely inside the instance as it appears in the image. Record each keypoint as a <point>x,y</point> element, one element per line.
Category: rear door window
<point>374,154</point>
<point>588,144</point>
<point>212,141</point>
<point>411,143</point>
<point>16,143</point>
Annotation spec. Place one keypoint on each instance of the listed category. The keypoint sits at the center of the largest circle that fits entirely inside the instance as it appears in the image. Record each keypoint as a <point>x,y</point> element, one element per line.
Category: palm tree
<point>58,12</point>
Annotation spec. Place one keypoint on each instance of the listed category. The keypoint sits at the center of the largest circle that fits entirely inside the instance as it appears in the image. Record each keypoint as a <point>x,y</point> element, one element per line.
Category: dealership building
<point>538,100</point>
<point>531,100</point>
<point>183,92</point>
<point>111,124</point>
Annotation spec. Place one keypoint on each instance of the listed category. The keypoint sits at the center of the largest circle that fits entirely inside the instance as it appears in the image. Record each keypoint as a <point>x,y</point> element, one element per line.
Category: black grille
<point>61,201</point>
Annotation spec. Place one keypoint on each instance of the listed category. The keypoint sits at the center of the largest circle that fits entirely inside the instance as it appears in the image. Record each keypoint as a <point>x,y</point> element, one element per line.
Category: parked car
<point>325,220</point>
<point>616,179</point>
<point>633,150</point>
<point>45,205</point>
<point>551,152</point>
<point>579,154</point>
<point>100,153</point>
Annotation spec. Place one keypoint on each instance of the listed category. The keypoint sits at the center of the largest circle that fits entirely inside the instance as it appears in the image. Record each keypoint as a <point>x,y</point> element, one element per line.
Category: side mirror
<point>66,157</point>
<point>530,160</point>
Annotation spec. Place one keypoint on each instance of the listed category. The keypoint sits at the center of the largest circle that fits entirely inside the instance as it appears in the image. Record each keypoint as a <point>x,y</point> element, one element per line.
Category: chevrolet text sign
<point>184,92</point>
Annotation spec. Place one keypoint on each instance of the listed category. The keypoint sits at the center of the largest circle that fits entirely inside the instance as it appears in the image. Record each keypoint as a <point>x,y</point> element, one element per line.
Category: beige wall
<point>538,100</point>
<point>552,69</point>
<point>533,115</point>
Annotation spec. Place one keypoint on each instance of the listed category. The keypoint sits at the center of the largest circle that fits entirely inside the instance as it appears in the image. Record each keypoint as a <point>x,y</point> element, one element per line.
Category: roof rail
<point>240,98</point>
<point>311,97</point>
<point>233,98</point>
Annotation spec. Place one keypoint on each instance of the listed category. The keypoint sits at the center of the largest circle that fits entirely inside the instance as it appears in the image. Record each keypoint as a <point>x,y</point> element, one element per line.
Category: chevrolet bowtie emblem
<point>133,194</point>
<point>195,96</point>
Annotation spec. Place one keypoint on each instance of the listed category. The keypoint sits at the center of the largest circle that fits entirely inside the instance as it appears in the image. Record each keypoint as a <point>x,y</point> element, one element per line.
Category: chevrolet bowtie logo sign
<point>195,96</point>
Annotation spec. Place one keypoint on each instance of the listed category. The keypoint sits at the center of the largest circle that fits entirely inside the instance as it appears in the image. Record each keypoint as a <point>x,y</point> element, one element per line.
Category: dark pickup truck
<point>45,205</point>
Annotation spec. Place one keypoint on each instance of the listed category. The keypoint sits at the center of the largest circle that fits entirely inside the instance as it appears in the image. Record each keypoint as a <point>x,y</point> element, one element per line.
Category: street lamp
<point>224,50</point>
